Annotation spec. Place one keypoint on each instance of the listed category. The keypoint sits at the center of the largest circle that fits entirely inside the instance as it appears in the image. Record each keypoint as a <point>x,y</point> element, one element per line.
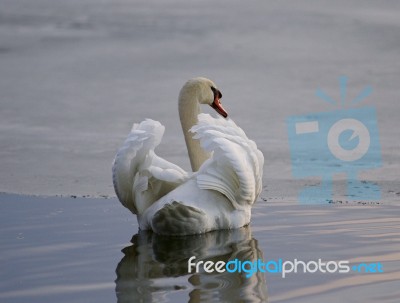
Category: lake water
<point>75,75</point>
<point>82,250</point>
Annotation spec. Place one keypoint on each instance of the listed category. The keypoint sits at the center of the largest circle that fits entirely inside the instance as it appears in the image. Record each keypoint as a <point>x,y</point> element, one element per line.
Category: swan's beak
<point>218,107</point>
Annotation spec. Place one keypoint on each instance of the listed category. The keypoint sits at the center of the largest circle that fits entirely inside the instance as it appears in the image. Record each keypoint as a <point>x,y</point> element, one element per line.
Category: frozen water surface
<point>75,75</point>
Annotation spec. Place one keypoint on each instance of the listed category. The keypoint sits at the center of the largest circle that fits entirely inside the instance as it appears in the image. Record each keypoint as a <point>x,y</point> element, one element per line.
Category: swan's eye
<point>216,92</point>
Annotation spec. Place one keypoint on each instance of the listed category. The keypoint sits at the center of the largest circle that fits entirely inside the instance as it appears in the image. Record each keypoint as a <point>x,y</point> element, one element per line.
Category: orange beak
<point>218,107</point>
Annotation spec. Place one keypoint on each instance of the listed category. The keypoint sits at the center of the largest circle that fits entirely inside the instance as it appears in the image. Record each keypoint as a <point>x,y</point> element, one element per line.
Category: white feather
<point>235,168</point>
<point>136,166</point>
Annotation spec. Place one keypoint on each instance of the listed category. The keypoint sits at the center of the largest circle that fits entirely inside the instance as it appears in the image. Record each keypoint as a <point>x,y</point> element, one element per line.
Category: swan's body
<point>218,194</point>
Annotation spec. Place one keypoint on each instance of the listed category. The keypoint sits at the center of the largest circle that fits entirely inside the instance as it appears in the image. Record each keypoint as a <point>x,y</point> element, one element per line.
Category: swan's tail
<point>133,157</point>
<point>179,219</point>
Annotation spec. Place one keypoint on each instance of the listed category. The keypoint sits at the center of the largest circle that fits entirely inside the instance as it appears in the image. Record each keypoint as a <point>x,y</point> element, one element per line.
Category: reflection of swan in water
<point>155,268</point>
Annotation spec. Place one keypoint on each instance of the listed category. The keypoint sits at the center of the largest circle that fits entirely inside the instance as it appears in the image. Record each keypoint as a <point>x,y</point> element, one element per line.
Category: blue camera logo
<point>340,141</point>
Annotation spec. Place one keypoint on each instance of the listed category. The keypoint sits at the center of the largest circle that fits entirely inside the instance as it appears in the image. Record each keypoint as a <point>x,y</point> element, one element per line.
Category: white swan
<point>218,194</point>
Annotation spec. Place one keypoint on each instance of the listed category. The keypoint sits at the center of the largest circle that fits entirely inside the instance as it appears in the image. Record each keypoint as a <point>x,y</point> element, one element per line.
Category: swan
<point>220,191</point>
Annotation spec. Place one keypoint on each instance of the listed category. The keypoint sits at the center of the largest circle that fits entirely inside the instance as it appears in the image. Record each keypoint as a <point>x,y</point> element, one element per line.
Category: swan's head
<point>205,92</point>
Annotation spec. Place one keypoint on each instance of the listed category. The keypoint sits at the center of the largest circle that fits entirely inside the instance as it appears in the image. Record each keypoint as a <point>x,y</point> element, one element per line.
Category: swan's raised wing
<point>236,165</point>
<point>140,177</point>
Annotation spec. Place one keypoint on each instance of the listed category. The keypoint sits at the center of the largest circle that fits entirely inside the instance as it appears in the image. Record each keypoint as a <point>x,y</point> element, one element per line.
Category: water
<point>80,250</point>
<point>155,268</point>
<point>75,75</point>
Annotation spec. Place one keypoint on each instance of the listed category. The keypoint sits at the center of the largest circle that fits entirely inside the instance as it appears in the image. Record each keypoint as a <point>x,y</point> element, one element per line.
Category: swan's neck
<point>189,109</point>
